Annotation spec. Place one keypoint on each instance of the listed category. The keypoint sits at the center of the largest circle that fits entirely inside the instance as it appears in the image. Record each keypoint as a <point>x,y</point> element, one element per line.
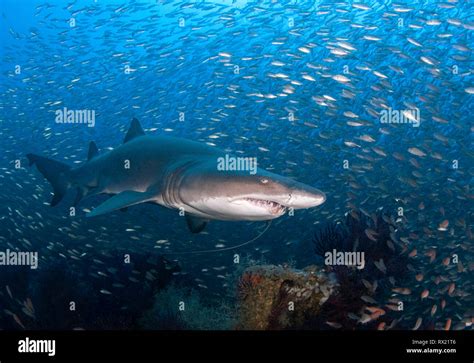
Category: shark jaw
<point>261,206</point>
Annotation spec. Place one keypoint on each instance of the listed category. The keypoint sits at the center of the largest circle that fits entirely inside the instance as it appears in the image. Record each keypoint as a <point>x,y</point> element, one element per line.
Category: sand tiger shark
<point>176,173</point>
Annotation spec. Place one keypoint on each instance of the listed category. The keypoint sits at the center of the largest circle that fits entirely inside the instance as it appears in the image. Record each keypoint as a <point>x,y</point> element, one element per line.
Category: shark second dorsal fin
<point>93,151</point>
<point>134,131</point>
<point>195,224</point>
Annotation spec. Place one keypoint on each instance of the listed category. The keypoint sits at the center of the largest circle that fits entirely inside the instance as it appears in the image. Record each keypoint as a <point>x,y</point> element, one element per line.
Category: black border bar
<point>228,345</point>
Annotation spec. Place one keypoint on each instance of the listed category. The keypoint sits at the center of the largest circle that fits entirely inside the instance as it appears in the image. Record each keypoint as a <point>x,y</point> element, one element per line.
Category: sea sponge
<point>276,297</point>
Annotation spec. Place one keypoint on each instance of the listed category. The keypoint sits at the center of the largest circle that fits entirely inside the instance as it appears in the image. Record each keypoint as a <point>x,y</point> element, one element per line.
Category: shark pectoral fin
<point>120,201</point>
<point>195,224</point>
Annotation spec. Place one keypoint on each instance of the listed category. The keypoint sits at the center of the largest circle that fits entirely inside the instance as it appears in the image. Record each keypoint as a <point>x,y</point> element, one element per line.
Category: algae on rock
<point>275,297</point>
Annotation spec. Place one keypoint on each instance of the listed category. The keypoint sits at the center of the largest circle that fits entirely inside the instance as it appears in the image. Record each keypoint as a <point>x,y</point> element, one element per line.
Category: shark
<point>178,174</point>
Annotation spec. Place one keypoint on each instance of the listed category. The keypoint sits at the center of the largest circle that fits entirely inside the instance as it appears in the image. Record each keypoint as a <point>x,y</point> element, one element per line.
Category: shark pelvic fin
<point>134,131</point>
<point>195,224</point>
<point>120,201</point>
<point>93,151</point>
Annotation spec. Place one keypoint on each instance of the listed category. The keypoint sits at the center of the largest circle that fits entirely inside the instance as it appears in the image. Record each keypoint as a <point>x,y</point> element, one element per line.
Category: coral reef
<point>275,297</point>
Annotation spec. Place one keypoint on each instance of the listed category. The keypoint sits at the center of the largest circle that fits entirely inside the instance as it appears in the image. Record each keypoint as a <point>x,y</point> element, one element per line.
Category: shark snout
<point>306,197</point>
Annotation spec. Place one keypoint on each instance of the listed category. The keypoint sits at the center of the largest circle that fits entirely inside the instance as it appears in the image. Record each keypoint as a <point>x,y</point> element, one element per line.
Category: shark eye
<point>264,181</point>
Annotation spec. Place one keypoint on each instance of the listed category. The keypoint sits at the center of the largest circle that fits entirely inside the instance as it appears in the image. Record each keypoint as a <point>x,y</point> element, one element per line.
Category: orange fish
<point>443,226</point>
<point>418,323</point>
<point>402,290</point>
<point>431,254</point>
<point>448,324</point>
<point>451,288</point>
<point>374,309</point>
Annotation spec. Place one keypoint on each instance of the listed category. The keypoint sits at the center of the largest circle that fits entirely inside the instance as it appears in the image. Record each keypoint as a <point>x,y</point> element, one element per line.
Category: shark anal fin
<point>120,201</point>
<point>195,224</point>
<point>93,151</point>
<point>134,131</point>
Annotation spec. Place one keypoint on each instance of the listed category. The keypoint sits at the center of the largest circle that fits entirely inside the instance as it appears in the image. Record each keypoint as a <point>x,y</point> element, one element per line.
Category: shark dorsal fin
<point>134,131</point>
<point>93,151</point>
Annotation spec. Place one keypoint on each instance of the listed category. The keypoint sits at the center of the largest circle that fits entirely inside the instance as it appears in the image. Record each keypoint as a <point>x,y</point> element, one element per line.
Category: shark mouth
<point>273,207</point>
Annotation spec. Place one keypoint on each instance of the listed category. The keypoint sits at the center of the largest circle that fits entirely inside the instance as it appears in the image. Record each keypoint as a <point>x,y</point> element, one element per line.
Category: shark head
<point>238,195</point>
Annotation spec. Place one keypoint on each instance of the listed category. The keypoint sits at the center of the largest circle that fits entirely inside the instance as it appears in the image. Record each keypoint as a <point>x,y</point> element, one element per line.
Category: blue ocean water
<point>316,90</point>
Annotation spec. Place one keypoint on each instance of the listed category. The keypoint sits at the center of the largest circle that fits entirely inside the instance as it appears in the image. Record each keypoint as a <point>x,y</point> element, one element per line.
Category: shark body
<point>179,174</point>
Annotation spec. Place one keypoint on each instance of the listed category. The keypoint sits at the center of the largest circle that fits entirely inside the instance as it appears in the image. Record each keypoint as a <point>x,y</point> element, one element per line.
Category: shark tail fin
<point>55,172</point>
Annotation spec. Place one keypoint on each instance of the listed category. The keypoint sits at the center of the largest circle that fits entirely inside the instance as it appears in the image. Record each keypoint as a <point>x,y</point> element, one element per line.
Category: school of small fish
<point>301,86</point>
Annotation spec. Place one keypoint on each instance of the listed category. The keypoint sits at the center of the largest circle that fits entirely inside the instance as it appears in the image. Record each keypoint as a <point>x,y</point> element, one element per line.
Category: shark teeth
<point>273,207</point>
